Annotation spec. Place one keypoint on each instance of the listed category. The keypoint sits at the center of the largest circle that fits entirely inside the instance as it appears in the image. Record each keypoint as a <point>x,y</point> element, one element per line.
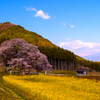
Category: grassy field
<point>46,87</point>
<point>8,92</point>
<point>64,86</point>
<point>63,72</point>
<point>5,92</point>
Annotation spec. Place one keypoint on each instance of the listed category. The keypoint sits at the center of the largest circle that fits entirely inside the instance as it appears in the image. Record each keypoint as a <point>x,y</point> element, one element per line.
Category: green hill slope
<point>9,31</point>
<point>16,31</point>
<point>45,46</point>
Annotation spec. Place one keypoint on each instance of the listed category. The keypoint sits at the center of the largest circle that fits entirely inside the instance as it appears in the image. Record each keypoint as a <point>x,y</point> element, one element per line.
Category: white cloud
<point>33,9</point>
<point>27,8</point>
<point>77,44</point>
<point>41,14</point>
<point>30,8</point>
<point>71,26</point>
<point>63,23</point>
<point>81,48</point>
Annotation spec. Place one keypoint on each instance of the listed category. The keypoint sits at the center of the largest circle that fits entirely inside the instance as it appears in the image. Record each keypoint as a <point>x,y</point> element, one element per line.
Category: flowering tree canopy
<point>19,53</point>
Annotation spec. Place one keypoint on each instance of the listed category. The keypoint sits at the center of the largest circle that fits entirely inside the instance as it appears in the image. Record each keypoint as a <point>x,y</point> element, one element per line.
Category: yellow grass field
<point>46,87</point>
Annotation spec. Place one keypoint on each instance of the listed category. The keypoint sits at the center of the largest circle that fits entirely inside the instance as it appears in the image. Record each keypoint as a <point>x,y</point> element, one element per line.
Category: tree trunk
<point>61,64</point>
<point>55,64</point>
<point>65,64</point>
<point>51,62</point>
<point>58,64</point>
<point>68,66</point>
<point>72,66</point>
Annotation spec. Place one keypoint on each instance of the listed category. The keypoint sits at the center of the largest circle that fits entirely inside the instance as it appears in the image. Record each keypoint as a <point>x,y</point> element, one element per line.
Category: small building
<point>81,72</point>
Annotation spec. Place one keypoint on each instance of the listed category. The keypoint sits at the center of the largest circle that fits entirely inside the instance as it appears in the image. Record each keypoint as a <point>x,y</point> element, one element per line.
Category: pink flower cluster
<point>17,52</point>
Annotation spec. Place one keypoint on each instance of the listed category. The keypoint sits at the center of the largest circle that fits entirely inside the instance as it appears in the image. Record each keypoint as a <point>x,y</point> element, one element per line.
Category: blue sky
<point>71,24</point>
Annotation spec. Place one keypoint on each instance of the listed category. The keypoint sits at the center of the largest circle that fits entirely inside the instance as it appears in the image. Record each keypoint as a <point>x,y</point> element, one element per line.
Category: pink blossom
<point>17,52</point>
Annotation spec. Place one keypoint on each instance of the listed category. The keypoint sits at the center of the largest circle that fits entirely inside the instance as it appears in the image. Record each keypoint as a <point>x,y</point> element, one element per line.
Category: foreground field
<point>7,93</point>
<point>46,87</point>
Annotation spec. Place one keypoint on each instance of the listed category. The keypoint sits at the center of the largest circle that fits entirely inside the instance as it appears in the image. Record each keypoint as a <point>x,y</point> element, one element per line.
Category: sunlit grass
<point>6,93</point>
<point>45,87</point>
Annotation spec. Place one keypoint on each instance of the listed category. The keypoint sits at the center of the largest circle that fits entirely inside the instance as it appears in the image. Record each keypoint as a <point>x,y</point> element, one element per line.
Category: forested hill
<point>10,31</point>
<point>44,45</point>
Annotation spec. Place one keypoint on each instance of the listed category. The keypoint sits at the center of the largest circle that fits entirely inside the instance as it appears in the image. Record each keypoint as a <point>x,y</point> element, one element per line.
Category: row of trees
<point>61,58</point>
<point>90,64</point>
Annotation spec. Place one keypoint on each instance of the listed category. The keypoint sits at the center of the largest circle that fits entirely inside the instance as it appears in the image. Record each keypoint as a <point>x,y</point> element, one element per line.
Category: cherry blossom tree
<point>19,53</point>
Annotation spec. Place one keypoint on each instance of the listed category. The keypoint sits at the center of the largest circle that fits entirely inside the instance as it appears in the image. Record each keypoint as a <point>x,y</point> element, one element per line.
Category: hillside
<point>9,31</point>
<point>53,52</point>
<point>61,59</point>
<point>5,25</point>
